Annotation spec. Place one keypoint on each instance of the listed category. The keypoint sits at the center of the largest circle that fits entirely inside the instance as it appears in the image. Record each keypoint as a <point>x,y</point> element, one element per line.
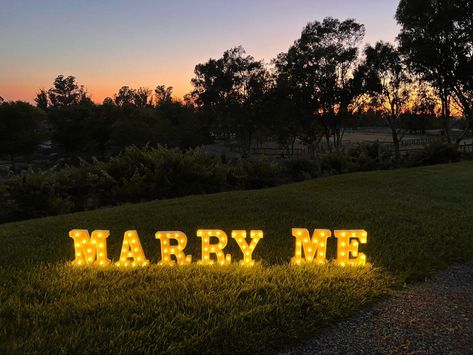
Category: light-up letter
<point>132,253</point>
<point>90,250</point>
<point>217,249</point>
<point>346,247</point>
<point>247,250</point>
<point>168,249</point>
<point>314,248</point>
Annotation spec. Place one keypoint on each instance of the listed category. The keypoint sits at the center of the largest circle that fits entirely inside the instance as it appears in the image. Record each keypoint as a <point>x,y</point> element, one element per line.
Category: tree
<point>229,90</point>
<point>437,39</point>
<point>19,129</point>
<point>42,100</point>
<point>142,97</point>
<point>287,121</point>
<point>66,92</point>
<point>385,78</point>
<point>163,94</point>
<point>318,69</point>
<point>420,113</point>
<point>69,129</point>
<point>125,97</point>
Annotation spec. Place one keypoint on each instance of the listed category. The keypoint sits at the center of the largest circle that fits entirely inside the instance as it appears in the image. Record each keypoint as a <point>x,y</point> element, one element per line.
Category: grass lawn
<point>418,221</point>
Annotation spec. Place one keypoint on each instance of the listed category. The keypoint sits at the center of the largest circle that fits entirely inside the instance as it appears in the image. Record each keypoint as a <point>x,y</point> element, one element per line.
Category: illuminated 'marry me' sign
<point>92,249</point>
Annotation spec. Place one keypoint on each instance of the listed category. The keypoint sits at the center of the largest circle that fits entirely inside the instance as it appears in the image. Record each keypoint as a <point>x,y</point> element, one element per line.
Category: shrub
<point>334,163</point>
<point>299,169</point>
<point>436,153</point>
<point>149,173</point>
<point>143,174</point>
<point>33,195</point>
<point>253,174</point>
<point>370,156</point>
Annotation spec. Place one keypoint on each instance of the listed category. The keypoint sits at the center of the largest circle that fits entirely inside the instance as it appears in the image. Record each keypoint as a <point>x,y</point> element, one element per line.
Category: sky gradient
<point>107,44</point>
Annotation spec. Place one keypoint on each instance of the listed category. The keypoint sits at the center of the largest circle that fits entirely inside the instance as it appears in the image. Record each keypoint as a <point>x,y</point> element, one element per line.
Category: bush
<point>253,174</point>
<point>144,174</point>
<point>334,163</point>
<point>370,156</point>
<point>33,195</point>
<point>436,153</point>
<point>150,173</point>
<point>299,169</point>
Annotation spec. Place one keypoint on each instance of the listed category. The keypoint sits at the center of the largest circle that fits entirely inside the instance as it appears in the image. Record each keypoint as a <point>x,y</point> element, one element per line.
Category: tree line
<point>324,83</point>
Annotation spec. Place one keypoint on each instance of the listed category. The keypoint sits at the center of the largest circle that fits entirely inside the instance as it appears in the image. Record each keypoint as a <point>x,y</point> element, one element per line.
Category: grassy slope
<point>418,220</point>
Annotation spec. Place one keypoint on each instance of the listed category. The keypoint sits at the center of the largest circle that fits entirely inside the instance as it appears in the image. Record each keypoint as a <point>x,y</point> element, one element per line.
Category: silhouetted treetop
<point>66,92</point>
<point>163,93</point>
<point>437,39</point>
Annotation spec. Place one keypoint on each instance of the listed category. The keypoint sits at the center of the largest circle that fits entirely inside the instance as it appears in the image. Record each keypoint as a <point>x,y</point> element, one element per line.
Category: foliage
<point>384,78</point>
<point>144,174</point>
<point>253,174</point>
<point>437,38</point>
<point>65,92</point>
<point>299,169</point>
<point>20,128</point>
<point>370,156</point>
<point>436,153</point>
<point>317,71</point>
<point>230,90</point>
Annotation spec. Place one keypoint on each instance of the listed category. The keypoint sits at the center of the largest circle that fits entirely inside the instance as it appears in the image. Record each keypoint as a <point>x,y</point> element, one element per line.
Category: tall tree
<point>125,96</point>
<point>229,89</point>
<point>437,38</point>
<point>66,92</point>
<point>20,125</point>
<point>42,100</point>
<point>163,94</point>
<point>318,67</point>
<point>142,97</point>
<point>385,78</point>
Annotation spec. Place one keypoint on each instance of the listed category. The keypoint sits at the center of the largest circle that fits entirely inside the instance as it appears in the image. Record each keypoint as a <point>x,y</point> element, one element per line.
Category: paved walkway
<point>434,317</point>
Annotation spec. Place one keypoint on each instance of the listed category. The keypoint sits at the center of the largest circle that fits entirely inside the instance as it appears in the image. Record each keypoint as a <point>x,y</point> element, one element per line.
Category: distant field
<point>418,220</point>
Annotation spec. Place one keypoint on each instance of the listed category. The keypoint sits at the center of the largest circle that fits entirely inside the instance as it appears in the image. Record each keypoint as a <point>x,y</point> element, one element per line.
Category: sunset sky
<point>107,44</point>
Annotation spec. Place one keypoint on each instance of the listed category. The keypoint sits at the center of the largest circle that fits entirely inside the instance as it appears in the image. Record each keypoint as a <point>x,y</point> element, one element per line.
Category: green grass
<point>418,220</point>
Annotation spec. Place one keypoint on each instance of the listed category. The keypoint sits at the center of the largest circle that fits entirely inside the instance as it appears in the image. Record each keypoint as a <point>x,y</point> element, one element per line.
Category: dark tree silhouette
<point>66,92</point>
<point>163,94</point>
<point>68,127</point>
<point>229,89</point>
<point>142,97</point>
<point>19,129</point>
<point>385,78</point>
<point>437,38</point>
<point>124,97</point>
<point>318,68</point>
<point>42,100</point>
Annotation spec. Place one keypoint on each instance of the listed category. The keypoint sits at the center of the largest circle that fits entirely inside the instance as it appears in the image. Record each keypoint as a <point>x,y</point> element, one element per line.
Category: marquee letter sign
<point>346,246</point>
<point>132,252</point>
<point>309,249</point>
<point>247,250</point>
<point>90,250</point>
<point>177,250</point>
<point>314,248</point>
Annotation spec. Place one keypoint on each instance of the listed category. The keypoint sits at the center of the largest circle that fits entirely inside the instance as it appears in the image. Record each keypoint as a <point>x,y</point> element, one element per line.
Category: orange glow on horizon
<point>24,90</point>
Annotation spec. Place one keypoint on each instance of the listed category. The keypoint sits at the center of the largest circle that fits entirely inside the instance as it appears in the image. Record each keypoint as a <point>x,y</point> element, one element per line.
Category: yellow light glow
<point>131,253</point>
<point>347,249</point>
<point>247,249</point>
<point>217,249</point>
<point>177,251</point>
<point>86,250</point>
<point>314,248</point>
